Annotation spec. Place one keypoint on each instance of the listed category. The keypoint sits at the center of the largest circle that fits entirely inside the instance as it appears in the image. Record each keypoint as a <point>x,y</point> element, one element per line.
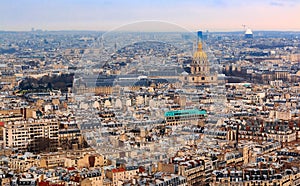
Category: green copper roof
<point>184,112</point>
<point>247,85</point>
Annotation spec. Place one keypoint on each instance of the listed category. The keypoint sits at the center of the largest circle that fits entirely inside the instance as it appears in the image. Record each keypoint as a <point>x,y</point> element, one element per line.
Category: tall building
<point>200,68</point>
<point>200,35</point>
<point>31,135</point>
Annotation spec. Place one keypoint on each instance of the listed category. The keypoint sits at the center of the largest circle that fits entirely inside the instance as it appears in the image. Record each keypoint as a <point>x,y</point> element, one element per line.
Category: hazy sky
<point>214,15</point>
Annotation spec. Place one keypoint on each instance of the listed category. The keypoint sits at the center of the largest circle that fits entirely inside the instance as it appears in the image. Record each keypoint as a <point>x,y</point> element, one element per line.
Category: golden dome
<point>200,54</point>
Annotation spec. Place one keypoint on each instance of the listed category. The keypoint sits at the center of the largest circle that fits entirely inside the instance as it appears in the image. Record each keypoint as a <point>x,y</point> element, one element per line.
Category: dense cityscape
<point>149,108</point>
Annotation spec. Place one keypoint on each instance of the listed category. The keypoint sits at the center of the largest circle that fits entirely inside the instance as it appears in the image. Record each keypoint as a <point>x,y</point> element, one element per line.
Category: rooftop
<point>185,112</point>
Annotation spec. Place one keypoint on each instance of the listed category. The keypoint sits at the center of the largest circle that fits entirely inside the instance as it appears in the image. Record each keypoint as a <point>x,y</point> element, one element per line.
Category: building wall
<point>194,176</point>
<point>27,135</point>
<point>92,181</point>
<point>52,161</point>
<point>202,79</point>
<point>116,175</point>
<point>166,167</point>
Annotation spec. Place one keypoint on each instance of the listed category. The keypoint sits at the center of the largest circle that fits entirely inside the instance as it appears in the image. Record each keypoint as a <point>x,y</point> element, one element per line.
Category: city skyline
<point>156,100</point>
<point>212,15</point>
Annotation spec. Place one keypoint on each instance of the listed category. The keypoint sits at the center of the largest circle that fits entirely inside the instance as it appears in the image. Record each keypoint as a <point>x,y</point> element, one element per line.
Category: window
<point>202,78</point>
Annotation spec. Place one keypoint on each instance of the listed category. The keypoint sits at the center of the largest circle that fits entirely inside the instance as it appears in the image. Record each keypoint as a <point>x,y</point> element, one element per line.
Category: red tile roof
<point>142,169</point>
<point>71,168</point>
<point>118,170</point>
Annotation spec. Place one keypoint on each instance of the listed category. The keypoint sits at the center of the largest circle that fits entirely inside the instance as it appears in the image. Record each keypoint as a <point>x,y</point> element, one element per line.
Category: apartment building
<point>31,135</point>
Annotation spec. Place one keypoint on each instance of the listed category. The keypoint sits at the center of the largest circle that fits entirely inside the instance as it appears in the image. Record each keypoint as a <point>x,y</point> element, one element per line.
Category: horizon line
<point>204,30</point>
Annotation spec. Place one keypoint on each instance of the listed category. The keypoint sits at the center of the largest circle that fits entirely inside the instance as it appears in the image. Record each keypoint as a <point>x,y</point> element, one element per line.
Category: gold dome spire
<point>200,54</point>
<point>199,47</point>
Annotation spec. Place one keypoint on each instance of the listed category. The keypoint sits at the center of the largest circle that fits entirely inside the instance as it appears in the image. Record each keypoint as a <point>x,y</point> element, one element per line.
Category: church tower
<point>200,64</point>
<point>200,69</point>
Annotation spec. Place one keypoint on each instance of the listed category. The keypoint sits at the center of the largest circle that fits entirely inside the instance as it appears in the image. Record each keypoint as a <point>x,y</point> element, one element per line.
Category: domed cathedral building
<point>200,69</point>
